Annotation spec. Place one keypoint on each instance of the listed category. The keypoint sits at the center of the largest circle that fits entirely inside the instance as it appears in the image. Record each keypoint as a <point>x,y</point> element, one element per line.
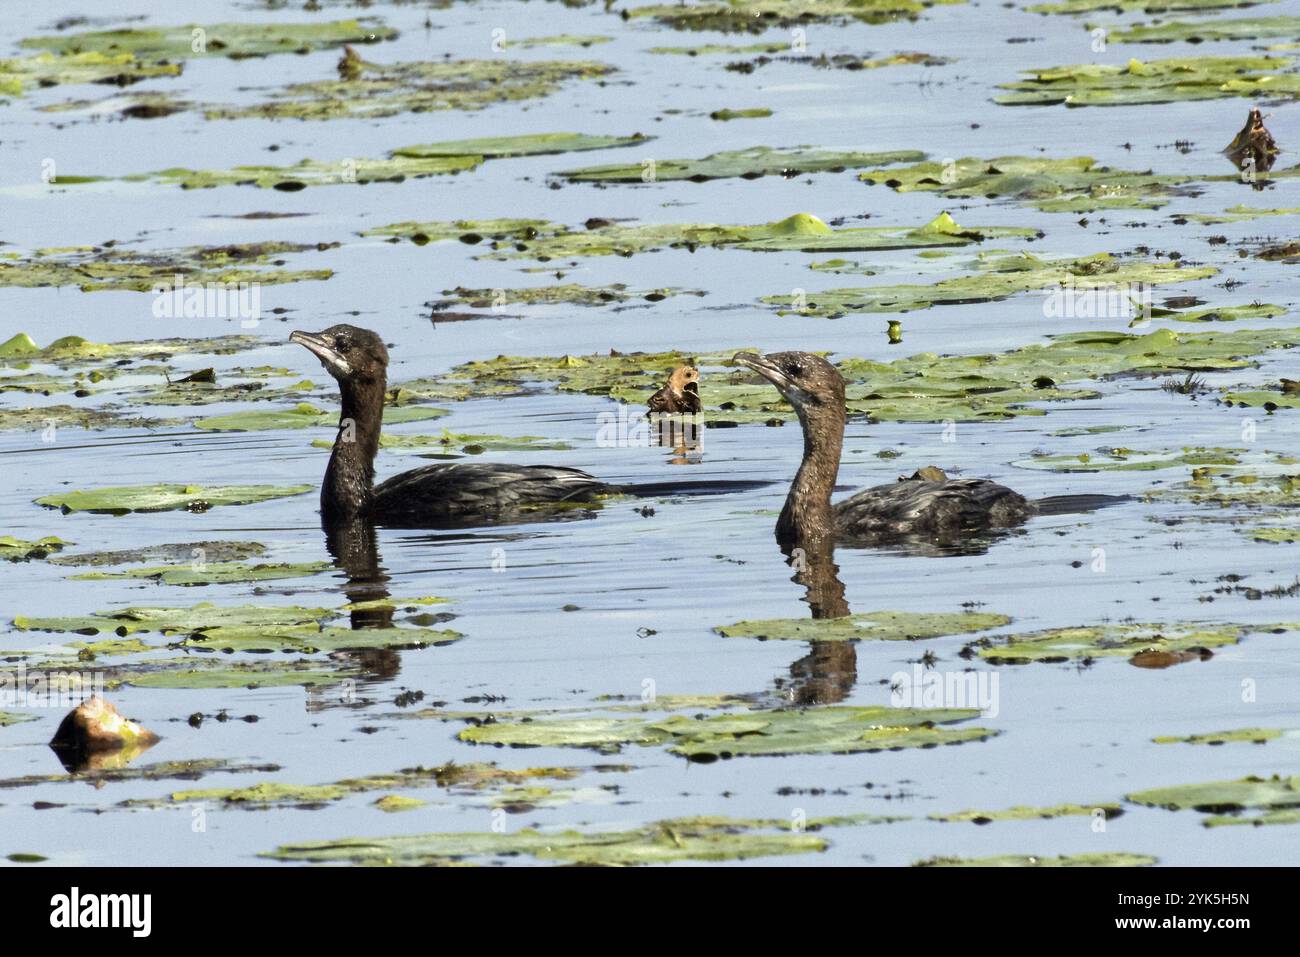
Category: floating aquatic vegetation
<point>142,105</point>
<point>248,386</point>
<point>750,113</point>
<point>407,162</point>
<point>802,232</point>
<point>212,573</point>
<point>21,350</point>
<point>664,842</point>
<point>1131,460</point>
<point>1254,310</point>
<point>1223,798</point>
<point>190,673</point>
<point>715,49</point>
<point>1019,813</point>
<point>1267,400</point>
<point>751,163</point>
<point>1238,213</point>
<point>919,388</point>
<point>825,730</point>
<point>1237,735</point>
<point>59,416</point>
<point>757,16</point>
<point>870,626</point>
<point>193,619</point>
<point>1234,488</point>
<point>1089,859</point>
<point>92,268</point>
<point>305,415</point>
<point>188,770</point>
<point>392,803</point>
<point>466,779</point>
<point>1276,536</point>
<point>19,550</point>
<point>1155,81</point>
<point>234,40</point>
<point>559,40</point>
<point>378,90</point>
<point>7,718</point>
<point>214,551</point>
<point>20,74</point>
<point>468,443</point>
<point>1077,184</point>
<point>571,294</point>
<point>165,497</point>
<point>1244,28</point>
<point>1140,6</point>
<point>312,639</point>
<point>1090,281</point>
<point>1149,644</point>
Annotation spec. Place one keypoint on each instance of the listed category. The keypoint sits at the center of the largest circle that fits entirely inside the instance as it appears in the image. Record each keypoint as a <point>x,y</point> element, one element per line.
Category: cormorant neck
<point>807,517</point>
<point>346,491</point>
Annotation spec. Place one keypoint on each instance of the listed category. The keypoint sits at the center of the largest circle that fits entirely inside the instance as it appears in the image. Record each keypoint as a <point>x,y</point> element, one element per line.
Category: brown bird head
<point>349,353</point>
<point>808,382</point>
<point>683,377</point>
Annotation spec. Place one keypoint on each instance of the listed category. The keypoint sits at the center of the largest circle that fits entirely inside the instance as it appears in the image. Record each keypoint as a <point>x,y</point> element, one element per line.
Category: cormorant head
<point>349,353</point>
<point>808,382</point>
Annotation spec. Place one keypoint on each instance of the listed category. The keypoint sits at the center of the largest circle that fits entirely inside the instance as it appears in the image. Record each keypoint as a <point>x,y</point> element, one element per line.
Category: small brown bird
<point>1254,147</point>
<point>1290,386</point>
<point>681,394</point>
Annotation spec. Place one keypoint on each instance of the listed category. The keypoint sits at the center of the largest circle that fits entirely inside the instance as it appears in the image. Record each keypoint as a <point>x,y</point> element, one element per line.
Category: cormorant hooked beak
<point>323,349</point>
<point>770,371</point>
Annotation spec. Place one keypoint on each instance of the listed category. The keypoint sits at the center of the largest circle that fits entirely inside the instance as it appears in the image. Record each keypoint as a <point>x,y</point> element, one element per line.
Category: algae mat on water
<point>1145,644</point>
<point>1244,28</point>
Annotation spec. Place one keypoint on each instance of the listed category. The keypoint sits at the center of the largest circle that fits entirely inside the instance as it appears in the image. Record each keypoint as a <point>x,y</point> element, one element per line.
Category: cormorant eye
<point>342,343</point>
<point>794,368</point>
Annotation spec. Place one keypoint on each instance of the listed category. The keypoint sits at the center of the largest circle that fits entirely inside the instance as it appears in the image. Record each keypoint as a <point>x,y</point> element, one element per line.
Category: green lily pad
<point>1076,184</point>
<point>214,551</point>
<point>871,626</point>
<point>96,268</point>
<point>1239,213</point>
<point>70,351</point>
<point>1031,813</point>
<point>8,717</point>
<point>571,294</point>
<point>1278,536</point>
<point>304,415</point>
<point>17,550</point>
<point>1245,28</point>
<point>1090,859</point>
<point>829,730</point>
<point>1237,735</point>
<point>529,144</point>
<point>998,279</point>
<point>751,163</point>
<point>213,573</point>
<point>21,74</point>
<point>757,16</point>
<point>185,673</point>
<point>1115,640</point>
<point>378,90</point>
<point>1129,460</point>
<point>190,770</point>
<point>392,803</point>
<point>308,639</point>
<point>1140,6</point>
<point>469,443</point>
<point>234,40</point>
<point>750,113</point>
<point>167,497</point>
<point>687,839</point>
<point>543,241</point>
<point>1221,797</point>
<point>1154,81</point>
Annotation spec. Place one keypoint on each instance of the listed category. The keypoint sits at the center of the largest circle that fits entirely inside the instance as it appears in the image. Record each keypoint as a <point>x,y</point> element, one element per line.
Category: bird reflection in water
<point>827,674</point>
<point>354,546</point>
